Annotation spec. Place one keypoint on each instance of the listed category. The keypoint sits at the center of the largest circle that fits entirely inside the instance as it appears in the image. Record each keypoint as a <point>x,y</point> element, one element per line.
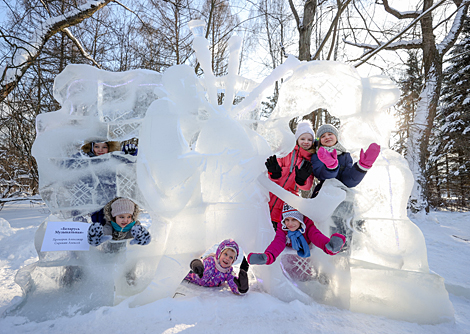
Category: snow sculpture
<point>197,174</point>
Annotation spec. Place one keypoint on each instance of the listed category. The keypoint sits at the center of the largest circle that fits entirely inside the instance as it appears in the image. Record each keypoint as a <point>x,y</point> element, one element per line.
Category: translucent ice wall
<point>198,171</point>
<point>386,271</point>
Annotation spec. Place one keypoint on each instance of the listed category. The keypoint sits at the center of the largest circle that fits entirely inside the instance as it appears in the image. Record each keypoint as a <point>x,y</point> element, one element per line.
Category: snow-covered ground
<point>447,237</point>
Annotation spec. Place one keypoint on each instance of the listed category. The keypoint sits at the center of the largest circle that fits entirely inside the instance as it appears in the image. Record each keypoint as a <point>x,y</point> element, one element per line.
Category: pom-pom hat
<point>288,211</point>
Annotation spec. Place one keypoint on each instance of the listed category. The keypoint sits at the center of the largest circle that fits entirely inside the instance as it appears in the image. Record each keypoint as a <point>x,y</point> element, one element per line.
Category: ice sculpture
<point>198,171</point>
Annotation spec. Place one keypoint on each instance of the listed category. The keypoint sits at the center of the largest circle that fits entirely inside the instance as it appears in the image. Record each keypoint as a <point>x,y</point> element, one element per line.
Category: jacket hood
<point>112,146</point>
<point>107,210</point>
<point>227,243</point>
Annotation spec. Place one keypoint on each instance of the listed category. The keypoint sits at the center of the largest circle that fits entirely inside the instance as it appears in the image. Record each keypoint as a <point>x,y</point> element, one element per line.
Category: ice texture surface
<point>200,175</point>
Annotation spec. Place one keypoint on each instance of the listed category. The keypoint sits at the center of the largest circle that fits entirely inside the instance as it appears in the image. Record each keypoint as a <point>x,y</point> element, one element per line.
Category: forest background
<point>423,45</point>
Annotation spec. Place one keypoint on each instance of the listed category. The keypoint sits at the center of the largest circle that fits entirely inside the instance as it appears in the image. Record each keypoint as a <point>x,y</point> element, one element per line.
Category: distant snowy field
<point>447,238</point>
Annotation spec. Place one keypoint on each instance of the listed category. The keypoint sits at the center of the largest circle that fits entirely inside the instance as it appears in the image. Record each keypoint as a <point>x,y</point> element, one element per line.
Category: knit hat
<point>327,128</point>
<point>288,211</point>
<point>230,244</point>
<point>122,205</point>
<point>304,127</point>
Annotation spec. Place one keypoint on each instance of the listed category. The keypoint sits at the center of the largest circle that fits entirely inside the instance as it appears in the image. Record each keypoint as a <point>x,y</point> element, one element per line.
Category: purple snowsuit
<point>214,274</point>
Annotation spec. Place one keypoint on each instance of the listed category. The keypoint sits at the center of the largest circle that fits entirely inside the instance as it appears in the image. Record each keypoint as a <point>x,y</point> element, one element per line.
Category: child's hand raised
<point>330,159</point>
<point>302,173</point>
<point>141,235</point>
<point>335,244</point>
<point>273,167</point>
<point>368,157</point>
<point>260,258</point>
<point>96,236</point>
<point>242,281</point>
<point>197,267</point>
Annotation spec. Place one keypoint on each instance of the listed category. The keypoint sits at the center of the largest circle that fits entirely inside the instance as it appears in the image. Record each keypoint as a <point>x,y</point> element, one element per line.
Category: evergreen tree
<point>450,154</point>
<point>411,84</point>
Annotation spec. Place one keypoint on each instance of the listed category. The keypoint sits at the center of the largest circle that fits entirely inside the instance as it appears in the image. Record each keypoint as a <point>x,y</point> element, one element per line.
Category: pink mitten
<point>368,157</point>
<point>329,159</point>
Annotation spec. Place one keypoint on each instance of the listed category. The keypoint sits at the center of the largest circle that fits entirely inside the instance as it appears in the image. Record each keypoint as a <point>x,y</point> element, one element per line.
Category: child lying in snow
<point>216,268</point>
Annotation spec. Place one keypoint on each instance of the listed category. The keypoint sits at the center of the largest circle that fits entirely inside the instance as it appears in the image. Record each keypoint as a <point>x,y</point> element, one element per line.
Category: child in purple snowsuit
<point>216,268</point>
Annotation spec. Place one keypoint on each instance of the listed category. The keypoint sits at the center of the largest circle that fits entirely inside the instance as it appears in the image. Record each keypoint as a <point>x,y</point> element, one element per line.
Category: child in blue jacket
<point>333,161</point>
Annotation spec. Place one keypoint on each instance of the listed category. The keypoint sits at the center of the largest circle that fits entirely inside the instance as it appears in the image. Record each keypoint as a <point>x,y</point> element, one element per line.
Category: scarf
<point>122,229</point>
<point>338,147</point>
<point>299,243</point>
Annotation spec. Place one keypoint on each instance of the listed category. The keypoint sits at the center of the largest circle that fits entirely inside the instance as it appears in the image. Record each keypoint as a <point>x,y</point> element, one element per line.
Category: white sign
<point>65,236</point>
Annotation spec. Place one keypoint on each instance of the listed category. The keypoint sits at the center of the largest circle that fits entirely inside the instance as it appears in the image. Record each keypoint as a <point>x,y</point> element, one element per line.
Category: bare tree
<point>24,53</point>
<point>432,53</point>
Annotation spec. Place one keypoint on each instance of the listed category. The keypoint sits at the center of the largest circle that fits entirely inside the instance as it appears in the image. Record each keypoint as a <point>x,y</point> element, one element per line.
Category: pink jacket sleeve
<point>278,244</point>
<point>314,235</point>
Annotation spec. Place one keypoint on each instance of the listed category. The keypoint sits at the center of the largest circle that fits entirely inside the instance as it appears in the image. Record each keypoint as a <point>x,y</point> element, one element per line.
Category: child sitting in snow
<point>118,221</point>
<point>333,161</point>
<point>216,268</point>
<point>297,231</point>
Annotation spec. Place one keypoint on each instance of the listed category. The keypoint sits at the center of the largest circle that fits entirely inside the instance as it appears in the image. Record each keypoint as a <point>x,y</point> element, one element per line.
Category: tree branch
<point>454,32</point>
<point>80,47</point>
<point>23,61</point>
<point>294,12</point>
<point>332,26</point>
<point>416,20</point>
<point>397,14</point>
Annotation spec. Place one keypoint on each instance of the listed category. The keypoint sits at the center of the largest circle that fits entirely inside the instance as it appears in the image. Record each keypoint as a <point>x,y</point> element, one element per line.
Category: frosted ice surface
<point>198,171</point>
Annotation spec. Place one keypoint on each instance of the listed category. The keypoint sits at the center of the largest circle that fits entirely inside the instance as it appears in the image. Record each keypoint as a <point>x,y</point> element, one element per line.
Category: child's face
<point>328,139</point>
<point>292,224</point>
<point>305,141</point>
<point>226,258</point>
<point>100,148</point>
<point>123,219</point>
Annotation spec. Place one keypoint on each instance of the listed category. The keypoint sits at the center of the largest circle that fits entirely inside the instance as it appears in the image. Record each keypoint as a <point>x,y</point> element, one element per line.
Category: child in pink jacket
<point>294,171</point>
<point>298,232</point>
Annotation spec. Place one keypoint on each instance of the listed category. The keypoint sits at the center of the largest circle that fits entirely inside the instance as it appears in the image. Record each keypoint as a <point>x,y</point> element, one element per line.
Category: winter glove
<point>302,173</point>
<point>335,244</point>
<point>273,167</point>
<point>141,235</point>
<point>330,159</point>
<point>368,157</point>
<point>257,258</point>
<point>242,281</point>
<point>244,266</point>
<point>95,235</point>
<point>130,149</point>
<point>197,266</point>
<point>260,258</point>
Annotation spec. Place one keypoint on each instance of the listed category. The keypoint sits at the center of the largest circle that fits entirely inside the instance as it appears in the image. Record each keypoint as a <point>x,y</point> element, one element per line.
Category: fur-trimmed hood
<point>112,146</point>
<point>107,210</point>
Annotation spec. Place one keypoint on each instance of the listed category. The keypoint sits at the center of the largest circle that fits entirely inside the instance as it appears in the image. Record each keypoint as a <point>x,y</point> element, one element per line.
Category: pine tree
<point>450,154</point>
<point>411,84</point>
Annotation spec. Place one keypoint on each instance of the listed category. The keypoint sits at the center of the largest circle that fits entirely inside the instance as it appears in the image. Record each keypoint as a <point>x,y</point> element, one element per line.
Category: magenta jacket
<point>311,234</point>
<point>287,179</point>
